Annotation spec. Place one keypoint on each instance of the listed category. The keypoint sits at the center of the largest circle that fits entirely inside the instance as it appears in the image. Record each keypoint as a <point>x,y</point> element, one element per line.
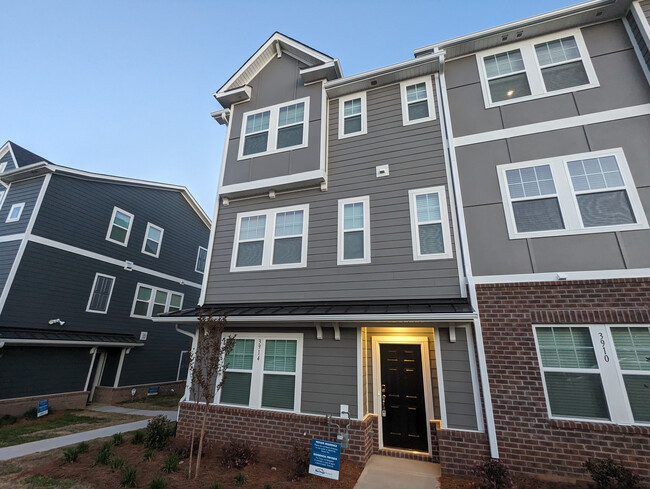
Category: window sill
<point>273,267</point>
<point>352,134</point>
<point>599,426</point>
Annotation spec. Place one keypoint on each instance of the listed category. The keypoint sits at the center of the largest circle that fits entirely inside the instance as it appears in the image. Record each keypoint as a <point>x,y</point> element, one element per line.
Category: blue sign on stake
<point>325,459</point>
<point>153,391</point>
<point>43,408</point>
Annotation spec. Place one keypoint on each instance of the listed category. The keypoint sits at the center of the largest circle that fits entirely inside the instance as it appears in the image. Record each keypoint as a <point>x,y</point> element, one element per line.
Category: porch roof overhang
<point>43,337</point>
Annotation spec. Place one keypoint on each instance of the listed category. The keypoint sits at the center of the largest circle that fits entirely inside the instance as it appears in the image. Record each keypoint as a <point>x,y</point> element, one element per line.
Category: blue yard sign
<point>43,408</point>
<point>325,459</point>
<point>153,391</point>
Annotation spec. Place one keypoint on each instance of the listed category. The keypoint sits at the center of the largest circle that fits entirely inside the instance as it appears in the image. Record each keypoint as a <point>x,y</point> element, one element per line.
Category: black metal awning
<point>52,337</point>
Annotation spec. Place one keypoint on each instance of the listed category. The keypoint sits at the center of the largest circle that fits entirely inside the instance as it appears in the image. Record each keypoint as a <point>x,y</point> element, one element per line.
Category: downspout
<point>460,214</point>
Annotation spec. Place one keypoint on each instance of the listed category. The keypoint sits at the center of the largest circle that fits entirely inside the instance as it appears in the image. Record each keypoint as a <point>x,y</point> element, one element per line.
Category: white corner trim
<point>11,237</point>
<point>642,20</point>
<point>475,381</point>
<point>360,386</point>
<point>441,381</point>
<point>635,44</point>
<point>570,275</point>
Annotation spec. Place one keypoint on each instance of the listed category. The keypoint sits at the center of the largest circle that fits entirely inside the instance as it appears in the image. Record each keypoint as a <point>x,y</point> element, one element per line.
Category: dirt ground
<point>522,482</point>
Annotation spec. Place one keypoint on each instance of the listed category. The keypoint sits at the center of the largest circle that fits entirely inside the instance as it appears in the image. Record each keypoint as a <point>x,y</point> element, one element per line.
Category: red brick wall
<point>56,402</point>
<point>111,395</point>
<point>459,451</point>
<point>528,440</point>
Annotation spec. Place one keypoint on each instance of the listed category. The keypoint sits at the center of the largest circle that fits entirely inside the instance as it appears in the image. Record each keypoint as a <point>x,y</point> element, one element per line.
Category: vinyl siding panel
<point>638,38</point>
<point>8,160</point>
<point>645,6</point>
<point>8,251</point>
<point>26,191</point>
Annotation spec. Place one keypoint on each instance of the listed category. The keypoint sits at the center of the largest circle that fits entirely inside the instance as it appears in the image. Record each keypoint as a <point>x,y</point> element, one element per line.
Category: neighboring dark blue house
<point>85,261</point>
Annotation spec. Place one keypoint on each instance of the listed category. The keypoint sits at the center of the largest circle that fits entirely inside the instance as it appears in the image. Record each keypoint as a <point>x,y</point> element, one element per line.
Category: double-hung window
<point>430,231</point>
<point>417,101</point>
<point>15,212</point>
<point>274,238</point>
<point>120,227</point>
<point>152,240</point>
<point>150,301</point>
<point>575,194</point>
<point>596,372</point>
<point>353,118</point>
<point>540,67</point>
<point>201,259</point>
<point>264,371</point>
<point>100,295</point>
<point>354,231</point>
<point>278,128</point>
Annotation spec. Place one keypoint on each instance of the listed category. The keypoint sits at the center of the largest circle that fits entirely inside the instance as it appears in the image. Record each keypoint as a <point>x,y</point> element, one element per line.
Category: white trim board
<point>12,237</point>
<point>15,341</point>
<point>563,275</point>
<point>635,44</point>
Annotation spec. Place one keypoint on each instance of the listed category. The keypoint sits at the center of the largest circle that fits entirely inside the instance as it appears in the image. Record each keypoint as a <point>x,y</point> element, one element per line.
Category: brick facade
<point>528,440</point>
<point>57,402</point>
<point>112,395</point>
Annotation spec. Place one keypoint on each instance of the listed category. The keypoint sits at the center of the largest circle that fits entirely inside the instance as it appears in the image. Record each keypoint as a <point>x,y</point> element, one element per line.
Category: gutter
<point>341,318</point>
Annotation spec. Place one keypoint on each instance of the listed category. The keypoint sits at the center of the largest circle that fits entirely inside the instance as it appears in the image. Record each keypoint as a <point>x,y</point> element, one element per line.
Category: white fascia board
<point>221,116</point>
<point>555,276</point>
<point>235,96</point>
<point>14,341</point>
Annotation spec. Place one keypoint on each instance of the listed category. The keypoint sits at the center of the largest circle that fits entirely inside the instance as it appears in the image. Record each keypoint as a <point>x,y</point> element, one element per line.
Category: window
<point>275,238</point>
<point>596,372</point>
<point>352,115</point>
<point>201,258</point>
<point>541,67</point>
<point>354,231</point>
<point>3,167</point>
<point>417,101</point>
<point>152,239</point>
<point>100,296</point>
<point>150,301</point>
<point>120,227</point>
<point>272,129</point>
<point>429,224</point>
<point>575,194</point>
<point>264,371</point>
<point>15,212</point>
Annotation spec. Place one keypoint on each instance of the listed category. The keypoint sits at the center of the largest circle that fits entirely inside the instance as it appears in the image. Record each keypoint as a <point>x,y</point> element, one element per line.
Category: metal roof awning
<point>46,337</point>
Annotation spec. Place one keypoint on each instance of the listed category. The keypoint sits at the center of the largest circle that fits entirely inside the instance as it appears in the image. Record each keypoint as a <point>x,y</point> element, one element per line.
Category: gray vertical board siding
<point>78,212</point>
<point>278,82</point>
<point>8,160</point>
<point>8,251</point>
<point>52,283</point>
<point>26,191</point>
<point>38,370</point>
<point>638,37</point>
<point>457,380</point>
<point>416,159</point>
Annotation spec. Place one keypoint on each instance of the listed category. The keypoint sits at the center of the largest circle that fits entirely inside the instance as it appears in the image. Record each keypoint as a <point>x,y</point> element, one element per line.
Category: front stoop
<point>398,473</point>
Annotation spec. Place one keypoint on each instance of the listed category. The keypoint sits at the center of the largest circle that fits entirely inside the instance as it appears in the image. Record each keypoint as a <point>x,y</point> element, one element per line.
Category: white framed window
<point>596,372</point>
<point>574,194</point>
<point>100,294</point>
<point>15,212</point>
<point>264,371</point>
<point>282,127</point>
<point>269,239</point>
<point>417,101</point>
<point>430,231</point>
<point>540,67</point>
<point>119,229</point>
<point>150,301</point>
<point>353,242</point>
<point>3,167</point>
<point>353,118</point>
<point>152,240</point>
<point>201,259</point>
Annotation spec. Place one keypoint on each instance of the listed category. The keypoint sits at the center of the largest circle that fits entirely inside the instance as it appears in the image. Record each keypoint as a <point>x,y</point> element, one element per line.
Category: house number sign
<point>602,343</point>
<point>259,349</point>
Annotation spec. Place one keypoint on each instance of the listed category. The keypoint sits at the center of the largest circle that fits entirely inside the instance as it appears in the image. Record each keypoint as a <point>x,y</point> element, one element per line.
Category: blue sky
<point>125,87</point>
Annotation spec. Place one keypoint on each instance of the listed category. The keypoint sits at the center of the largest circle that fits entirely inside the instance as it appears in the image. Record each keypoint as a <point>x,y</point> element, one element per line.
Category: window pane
<point>154,234</point>
<point>292,114</point>
<point>141,308</point>
<point>258,122</point>
<point>288,223</point>
<point>605,209</point>
<point>530,182</point>
<point>118,234</point>
<point>144,294</point>
<point>509,87</point>
<point>503,63</point>
<point>562,347</point>
<point>418,110</point>
<point>352,107</point>
<point>157,309</point>
<point>576,395</point>
<point>416,92</point>
<point>557,51</point>
<point>256,143</point>
<point>278,391</point>
<point>151,246</point>
<point>352,124</point>
<point>632,348</point>
<point>241,356</point>
<point>431,240</point>
<point>428,207</point>
<point>638,393</point>
<point>161,297</point>
<point>252,227</point>
<point>289,136</point>
<point>122,219</point>
<point>287,250</point>
<point>280,355</point>
<point>249,254</point>
<point>353,215</point>
<point>352,245</point>
<point>537,215</point>
<point>175,301</point>
<point>565,76</point>
<point>236,388</point>
<point>595,173</point>
<point>201,259</point>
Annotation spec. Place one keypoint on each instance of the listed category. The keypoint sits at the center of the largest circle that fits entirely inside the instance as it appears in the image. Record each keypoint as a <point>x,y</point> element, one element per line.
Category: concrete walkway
<point>173,415</point>
<point>398,473</point>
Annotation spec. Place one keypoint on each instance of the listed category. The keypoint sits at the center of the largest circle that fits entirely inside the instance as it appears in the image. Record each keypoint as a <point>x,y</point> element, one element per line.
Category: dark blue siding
<point>8,160</point>
<point>8,252</point>
<point>25,191</point>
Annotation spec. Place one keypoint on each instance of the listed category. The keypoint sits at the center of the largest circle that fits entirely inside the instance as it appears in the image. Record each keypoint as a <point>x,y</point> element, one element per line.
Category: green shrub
<point>157,483</point>
<point>70,454</point>
<point>8,419</point>
<point>493,474</point>
<point>117,463</point>
<point>138,438</point>
<point>267,486</point>
<point>149,455</point>
<point>129,475</point>
<point>299,462</point>
<point>214,485</point>
<point>118,439</point>
<point>609,474</point>
<point>240,479</point>
<point>171,462</point>
<point>83,447</point>
<point>237,455</point>
<point>31,413</point>
<point>158,432</point>
<point>103,455</point>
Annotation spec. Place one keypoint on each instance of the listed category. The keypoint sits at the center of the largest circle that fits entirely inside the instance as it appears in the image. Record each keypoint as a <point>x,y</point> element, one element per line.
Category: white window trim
<point>128,231</point>
<point>430,100</point>
<point>618,404</point>
<point>272,140</point>
<point>365,200</point>
<point>151,301</point>
<point>3,167</point>
<point>146,237</point>
<point>364,115</point>
<point>198,254</point>
<point>92,290</point>
<point>20,208</point>
<point>257,373</point>
<point>415,231</point>
<point>269,239</point>
<point>567,197</point>
<point>533,69</point>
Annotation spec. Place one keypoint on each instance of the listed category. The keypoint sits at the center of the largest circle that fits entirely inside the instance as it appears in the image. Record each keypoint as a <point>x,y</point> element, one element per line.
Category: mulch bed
<point>522,482</point>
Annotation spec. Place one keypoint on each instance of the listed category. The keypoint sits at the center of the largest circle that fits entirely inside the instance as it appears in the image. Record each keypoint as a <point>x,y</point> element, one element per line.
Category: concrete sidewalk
<point>173,415</point>
<point>398,473</point>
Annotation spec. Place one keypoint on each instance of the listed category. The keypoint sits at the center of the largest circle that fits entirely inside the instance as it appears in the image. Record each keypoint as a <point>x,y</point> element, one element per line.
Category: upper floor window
<point>15,212</point>
<point>120,227</point>
<point>275,238</point>
<point>536,68</point>
<point>354,231</point>
<point>100,295</point>
<point>417,101</point>
<point>152,240</point>
<point>575,194</point>
<point>201,259</point>
<point>278,128</point>
<point>353,115</point>
<point>150,301</point>
<point>430,232</point>
<point>3,167</point>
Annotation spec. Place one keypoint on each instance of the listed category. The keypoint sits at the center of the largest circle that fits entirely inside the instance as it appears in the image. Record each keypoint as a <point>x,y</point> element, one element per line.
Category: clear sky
<point>124,87</point>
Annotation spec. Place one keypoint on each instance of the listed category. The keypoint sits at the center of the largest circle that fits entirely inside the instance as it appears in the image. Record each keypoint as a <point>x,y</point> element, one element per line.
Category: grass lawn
<point>163,401</point>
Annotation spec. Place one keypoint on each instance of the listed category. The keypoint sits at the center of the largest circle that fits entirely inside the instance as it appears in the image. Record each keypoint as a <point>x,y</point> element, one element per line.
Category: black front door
<point>403,413</point>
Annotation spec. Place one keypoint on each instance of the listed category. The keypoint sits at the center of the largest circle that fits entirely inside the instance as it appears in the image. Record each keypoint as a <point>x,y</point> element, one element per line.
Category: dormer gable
<point>13,156</point>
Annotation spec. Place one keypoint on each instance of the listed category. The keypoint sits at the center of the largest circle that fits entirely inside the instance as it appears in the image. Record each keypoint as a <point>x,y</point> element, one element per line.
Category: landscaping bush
<point>158,432</point>
<point>493,474</point>
<point>118,439</point>
<point>7,419</point>
<point>70,454</point>
<point>214,485</point>
<point>83,447</point>
<point>609,474</point>
<point>267,486</point>
<point>240,479</point>
<point>237,455</point>
<point>117,463</point>
<point>138,438</point>
<point>157,483</point>
<point>171,462</point>
<point>31,414</point>
<point>103,454</point>
<point>129,475</point>
<point>181,447</point>
<point>149,455</point>
<point>299,459</point>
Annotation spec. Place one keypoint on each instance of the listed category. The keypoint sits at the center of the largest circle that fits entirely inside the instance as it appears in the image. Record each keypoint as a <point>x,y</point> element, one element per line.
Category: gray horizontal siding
<point>25,191</point>
<point>8,160</point>
<point>8,252</point>
<point>645,6</point>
